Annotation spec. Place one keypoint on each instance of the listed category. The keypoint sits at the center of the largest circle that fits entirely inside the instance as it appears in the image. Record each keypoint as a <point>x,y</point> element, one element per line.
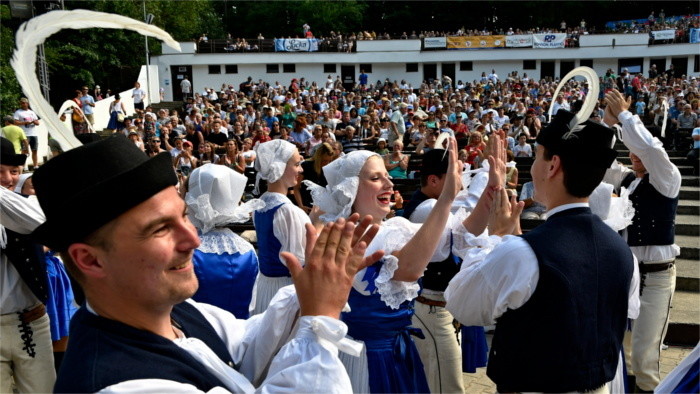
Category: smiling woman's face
<point>374,191</point>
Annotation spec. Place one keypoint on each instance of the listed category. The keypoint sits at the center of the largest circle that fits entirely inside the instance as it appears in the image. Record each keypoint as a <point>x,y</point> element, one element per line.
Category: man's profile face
<point>149,258</point>
<point>9,176</point>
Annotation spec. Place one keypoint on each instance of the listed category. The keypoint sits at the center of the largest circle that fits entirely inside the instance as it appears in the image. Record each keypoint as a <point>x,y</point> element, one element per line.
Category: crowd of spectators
<point>394,118</point>
<point>345,42</point>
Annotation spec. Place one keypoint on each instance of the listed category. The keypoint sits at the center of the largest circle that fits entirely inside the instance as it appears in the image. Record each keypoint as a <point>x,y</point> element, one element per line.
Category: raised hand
<point>324,283</point>
<point>453,177</point>
<point>616,104</point>
<point>504,215</point>
<point>497,161</point>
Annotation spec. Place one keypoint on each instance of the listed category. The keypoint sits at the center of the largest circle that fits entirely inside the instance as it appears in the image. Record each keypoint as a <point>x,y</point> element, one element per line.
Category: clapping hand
<point>504,215</point>
<point>497,161</point>
<point>332,260</point>
<point>453,177</point>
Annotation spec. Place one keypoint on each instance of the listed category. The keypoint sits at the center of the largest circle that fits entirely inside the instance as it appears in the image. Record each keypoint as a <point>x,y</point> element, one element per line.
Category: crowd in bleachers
<point>345,42</point>
<point>378,115</point>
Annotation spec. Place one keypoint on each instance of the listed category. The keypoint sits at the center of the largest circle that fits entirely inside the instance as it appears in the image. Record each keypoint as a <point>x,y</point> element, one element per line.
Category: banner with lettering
<point>549,40</point>
<point>664,34</point>
<point>475,42</point>
<point>519,41</point>
<point>434,42</point>
<point>694,36</point>
<point>296,45</point>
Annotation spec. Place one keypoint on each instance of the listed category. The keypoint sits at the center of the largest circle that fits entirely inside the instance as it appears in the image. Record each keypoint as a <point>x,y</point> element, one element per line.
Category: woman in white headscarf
<point>280,224</point>
<point>382,295</point>
<point>226,265</point>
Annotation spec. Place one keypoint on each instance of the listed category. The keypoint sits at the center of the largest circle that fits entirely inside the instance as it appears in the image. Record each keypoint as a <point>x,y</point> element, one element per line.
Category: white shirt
<point>21,215</point>
<point>522,150</point>
<point>502,275</point>
<point>138,94</point>
<point>27,116</point>
<point>273,352</point>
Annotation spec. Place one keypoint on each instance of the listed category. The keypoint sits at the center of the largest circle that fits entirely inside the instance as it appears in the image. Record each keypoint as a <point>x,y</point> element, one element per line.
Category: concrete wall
<point>389,58</point>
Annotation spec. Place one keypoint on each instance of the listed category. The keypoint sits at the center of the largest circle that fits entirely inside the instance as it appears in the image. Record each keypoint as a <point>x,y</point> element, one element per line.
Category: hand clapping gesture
<point>332,260</point>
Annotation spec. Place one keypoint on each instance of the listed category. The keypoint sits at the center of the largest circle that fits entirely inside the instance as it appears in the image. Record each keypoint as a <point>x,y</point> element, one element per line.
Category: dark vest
<point>104,352</point>
<point>654,221</point>
<point>28,259</point>
<point>437,274</point>
<point>568,335</point>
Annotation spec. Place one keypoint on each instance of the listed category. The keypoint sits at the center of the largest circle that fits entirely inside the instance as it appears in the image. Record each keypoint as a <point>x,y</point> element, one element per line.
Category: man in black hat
<point>25,349</point>
<point>138,330</point>
<point>439,350</point>
<point>559,294</point>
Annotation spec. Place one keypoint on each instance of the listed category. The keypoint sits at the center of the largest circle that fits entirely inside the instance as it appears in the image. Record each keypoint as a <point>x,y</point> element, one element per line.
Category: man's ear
<point>555,166</point>
<point>86,258</point>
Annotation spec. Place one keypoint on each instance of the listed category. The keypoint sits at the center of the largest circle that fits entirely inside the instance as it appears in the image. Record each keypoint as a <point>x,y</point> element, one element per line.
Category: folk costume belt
<point>28,316</point>
<point>430,302</point>
<point>647,268</point>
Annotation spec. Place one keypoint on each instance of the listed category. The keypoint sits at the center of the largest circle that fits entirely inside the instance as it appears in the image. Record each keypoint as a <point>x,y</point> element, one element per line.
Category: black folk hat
<point>435,162</point>
<point>8,156</point>
<point>87,187</point>
<point>589,142</point>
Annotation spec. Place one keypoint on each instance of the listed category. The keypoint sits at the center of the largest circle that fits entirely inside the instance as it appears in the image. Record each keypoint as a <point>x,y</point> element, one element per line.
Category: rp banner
<point>296,45</point>
<point>519,41</point>
<point>549,40</point>
<point>475,42</point>
<point>664,34</point>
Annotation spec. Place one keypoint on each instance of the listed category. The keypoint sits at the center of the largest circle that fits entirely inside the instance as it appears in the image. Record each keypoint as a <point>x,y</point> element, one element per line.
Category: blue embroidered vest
<point>268,245</point>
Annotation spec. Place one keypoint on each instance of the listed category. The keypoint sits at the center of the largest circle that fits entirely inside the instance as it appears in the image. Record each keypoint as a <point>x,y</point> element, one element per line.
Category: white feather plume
<point>35,31</point>
<point>664,107</point>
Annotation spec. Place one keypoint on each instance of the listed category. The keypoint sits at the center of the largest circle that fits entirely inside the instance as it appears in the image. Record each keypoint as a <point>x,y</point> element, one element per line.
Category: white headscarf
<point>214,195</point>
<point>271,159</point>
<point>342,175</point>
<point>20,184</point>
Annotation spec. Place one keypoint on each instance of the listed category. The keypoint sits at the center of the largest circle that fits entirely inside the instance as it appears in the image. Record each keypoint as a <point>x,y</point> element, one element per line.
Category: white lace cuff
<point>621,211</point>
<point>394,292</point>
<point>331,331</point>
<point>476,248</point>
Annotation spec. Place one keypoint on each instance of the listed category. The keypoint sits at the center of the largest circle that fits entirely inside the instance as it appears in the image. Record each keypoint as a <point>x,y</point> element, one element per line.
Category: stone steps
<point>684,318</point>
<point>688,275</point>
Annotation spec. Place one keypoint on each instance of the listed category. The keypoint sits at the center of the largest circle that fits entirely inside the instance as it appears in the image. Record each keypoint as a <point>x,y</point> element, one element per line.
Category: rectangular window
<point>329,68</point>
<point>411,67</point>
<point>273,68</point>
<point>366,67</point>
<point>586,63</point>
<point>529,64</point>
<point>215,69</point>
<point>466,66</point>
<point>232,69</point>
<point>289,68</point>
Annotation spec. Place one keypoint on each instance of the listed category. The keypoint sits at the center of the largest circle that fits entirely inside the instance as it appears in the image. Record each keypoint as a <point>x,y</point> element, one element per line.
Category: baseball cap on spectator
<point>187,143</point>
<point>23,100</point>
<point>381,140</point>
<point>530,111</point>
<point>97,86</point>
<point>8,118</point>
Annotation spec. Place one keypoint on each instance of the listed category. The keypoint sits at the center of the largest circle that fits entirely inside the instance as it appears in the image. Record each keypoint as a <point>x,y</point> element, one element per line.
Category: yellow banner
<point>476,42</point>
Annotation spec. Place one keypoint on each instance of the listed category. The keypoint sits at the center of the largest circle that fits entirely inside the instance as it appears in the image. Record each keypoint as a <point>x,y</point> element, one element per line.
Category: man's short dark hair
<point>580,179</point>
